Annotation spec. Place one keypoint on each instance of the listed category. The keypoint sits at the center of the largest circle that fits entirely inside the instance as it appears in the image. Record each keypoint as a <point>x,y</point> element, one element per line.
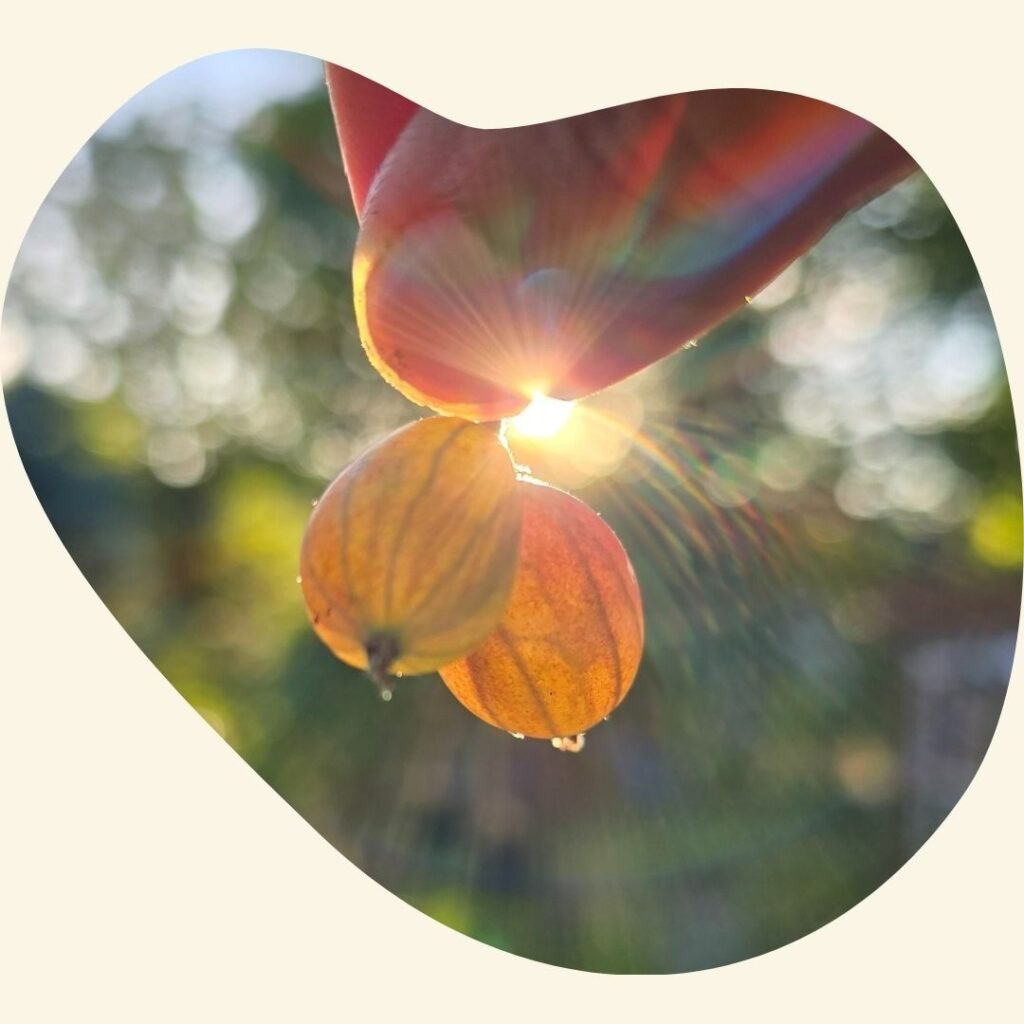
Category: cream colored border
<point>149,874</point>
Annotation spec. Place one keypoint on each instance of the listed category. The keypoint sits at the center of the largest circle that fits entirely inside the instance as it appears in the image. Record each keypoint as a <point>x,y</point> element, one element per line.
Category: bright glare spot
<point>868,771</point>
<point>996,533</point>
<point>14,352</point>
<point>543,417</point>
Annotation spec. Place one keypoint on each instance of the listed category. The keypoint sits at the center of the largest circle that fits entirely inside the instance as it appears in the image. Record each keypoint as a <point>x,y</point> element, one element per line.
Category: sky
<point>229,88</point>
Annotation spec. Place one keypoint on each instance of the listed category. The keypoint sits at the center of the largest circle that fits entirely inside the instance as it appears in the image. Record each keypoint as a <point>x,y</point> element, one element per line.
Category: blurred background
<point>822,500</point>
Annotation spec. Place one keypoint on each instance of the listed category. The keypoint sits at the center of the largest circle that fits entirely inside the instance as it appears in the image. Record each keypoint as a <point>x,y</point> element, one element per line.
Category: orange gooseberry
<point>410,555</point>
<point>568,646</point>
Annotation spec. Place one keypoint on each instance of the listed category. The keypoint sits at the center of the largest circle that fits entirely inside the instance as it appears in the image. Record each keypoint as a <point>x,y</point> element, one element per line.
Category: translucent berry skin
<point>412,551</point>
<point>568,646</point>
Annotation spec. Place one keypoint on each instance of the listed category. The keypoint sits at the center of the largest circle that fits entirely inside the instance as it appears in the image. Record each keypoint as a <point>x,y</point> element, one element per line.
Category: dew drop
<point>517,735</point>
<point>298,579</point>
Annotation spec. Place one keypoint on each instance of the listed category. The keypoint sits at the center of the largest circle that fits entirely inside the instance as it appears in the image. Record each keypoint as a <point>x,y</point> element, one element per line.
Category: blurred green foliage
<point>824,511</point>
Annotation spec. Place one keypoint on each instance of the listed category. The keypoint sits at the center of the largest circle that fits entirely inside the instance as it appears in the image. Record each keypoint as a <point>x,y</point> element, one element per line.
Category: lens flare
<point>544,417</point>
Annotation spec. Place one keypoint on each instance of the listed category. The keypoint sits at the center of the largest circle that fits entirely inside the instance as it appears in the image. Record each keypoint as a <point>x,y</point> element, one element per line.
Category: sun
<point>542,418</point>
